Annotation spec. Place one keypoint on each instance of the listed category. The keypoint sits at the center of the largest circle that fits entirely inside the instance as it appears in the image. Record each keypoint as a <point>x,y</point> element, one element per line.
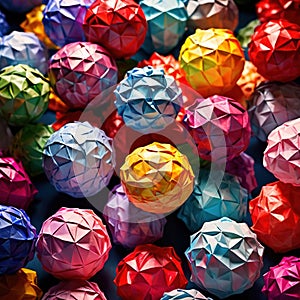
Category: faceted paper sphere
<point>225,257</point>
<point>181,294</point>
<point>147,99</point>
<point>275,50</point>
<point>276,216</point>
<point>213,61</point>
<point>17,239</point>
<point>4,26</point>
<point>282,281</point>
<point>119,26</point>
<point>19,6</point>
<point>157,178</point>
<point>78,160</point>
<point>81,71</point>
<point>148,272</point>
<point>73,244</point>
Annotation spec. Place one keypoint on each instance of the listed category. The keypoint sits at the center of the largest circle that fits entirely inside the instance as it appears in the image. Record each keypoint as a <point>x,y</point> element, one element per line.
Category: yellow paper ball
<point>212,60</point>
<point>157,178</point>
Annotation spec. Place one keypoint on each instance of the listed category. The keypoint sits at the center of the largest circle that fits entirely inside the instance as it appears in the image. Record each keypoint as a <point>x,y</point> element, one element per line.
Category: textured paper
<point>181,294</point>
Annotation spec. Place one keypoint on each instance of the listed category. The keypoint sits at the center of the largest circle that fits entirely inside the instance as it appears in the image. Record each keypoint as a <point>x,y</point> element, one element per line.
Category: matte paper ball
<point>283,280</point>
<point>225,257</point>
<point>219,126</point>
<point>276,217</point>
<point>275,50</point>
<point>148,100</point>
<point>73,244</point>
<point>17,239</point>
<point>129,225</point>
<point>19,6</point>
<point>24,94</point>
<point>80,71</point>
<point>4,26</point>
<point>119,26</point>
<point>78,160</point>
<point>148,272</point>
<point>212,60</point>
<point>157,178</point>
<point>28,146</point>
<point>181,294</point>
<point>166,24</point>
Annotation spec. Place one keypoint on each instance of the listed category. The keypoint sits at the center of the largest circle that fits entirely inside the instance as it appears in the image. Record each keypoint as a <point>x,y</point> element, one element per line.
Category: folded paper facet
<point>78,160</point>
<point>245,33</point>
<point>73,244</point>
<point>17,239</point>
<point>148,272</point>
<point>19,6</point>
<point>181,294</point>
<point>225,257</point>
<point>4,26</point>
<point>80,71</point>
<point>157,178</point>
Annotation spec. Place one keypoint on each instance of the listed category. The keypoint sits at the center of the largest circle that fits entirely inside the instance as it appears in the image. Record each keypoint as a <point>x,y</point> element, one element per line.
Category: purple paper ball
<point>19,6</point>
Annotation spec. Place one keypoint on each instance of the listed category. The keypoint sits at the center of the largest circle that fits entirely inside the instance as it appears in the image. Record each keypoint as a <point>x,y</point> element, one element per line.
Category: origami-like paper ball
<point>73,244</point>
<point>17,239</point>
<point>78,160</point>
<point>276,216</point>
<point>19,6</point>
<point>225,257</point>
<point>282,281</point>
<point>148,272</point>
<point>157,178</point>
<point>28,146</point>
<point>147,99</point>
<point>181,294</point>
<point>81,71</point>
<point>166,24</point>
<point>244,34</point>
<point>20,285</point>
<point>4,26</point>
<point>282,155</point>
<point>119,26</point>
<point>205,14</point>
<point>129,225</point>
<point>220,127</point>
<point>275,50</point>
<point>213,61</point>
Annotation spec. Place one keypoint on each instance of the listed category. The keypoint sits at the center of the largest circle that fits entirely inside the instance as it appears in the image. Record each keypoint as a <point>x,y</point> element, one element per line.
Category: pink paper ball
<point>73,244</point>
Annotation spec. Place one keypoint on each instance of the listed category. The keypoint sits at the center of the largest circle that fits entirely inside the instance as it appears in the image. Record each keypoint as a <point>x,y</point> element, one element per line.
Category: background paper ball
<point>275,50</point>
<point>17,239</point>
<point>148,100</point>
<point>245,33</point>
<point>81,71</point>
<point>129,225</point>
<point>119,26</point>
<point>148,272</point>
<point>73,244</point>
<point>4,26</point>
<point>212,60</point>
<point>181,294</point>
<point>78,160</point>
<point>19,6</point>
<point>157,178</point>
<point>225,257</point>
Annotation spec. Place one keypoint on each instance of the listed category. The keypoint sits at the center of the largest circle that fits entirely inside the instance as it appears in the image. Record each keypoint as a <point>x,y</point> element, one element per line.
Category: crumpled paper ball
<point>219,126</point>
<point>225,257</point>
<point>181,294</point>
<point>157,178</point>
<point>63,20</point>
<point>24,94</point>
<point>17,239</point>
<point>276,216</point>
<point>28,146</point>
<point>119,26</point>
<point>80,71</point>
<point>282,281</point>
<point>212,60</point>
<point>282,155</point>
<point>166,24</point>
<point>129,225</point>
<point>275,50</point>
<point>75,289</point>
<point>148,272</point>
<point>77,160</point>
<point>205,14</point>
<point>4,26</point>
<point>73,244</point>
<point>19,6</point>
<point>147,99</point>
<point>20,285</point>
<point>23,48</point>
<point>245,33</point>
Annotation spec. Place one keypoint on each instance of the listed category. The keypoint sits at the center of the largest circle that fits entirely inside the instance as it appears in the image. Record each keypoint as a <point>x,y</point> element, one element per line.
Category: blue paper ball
<point>148,100</point>
<point>17,239</point>
<point>20,6</point>
<point>77,159</point>
<point>4,26</point>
